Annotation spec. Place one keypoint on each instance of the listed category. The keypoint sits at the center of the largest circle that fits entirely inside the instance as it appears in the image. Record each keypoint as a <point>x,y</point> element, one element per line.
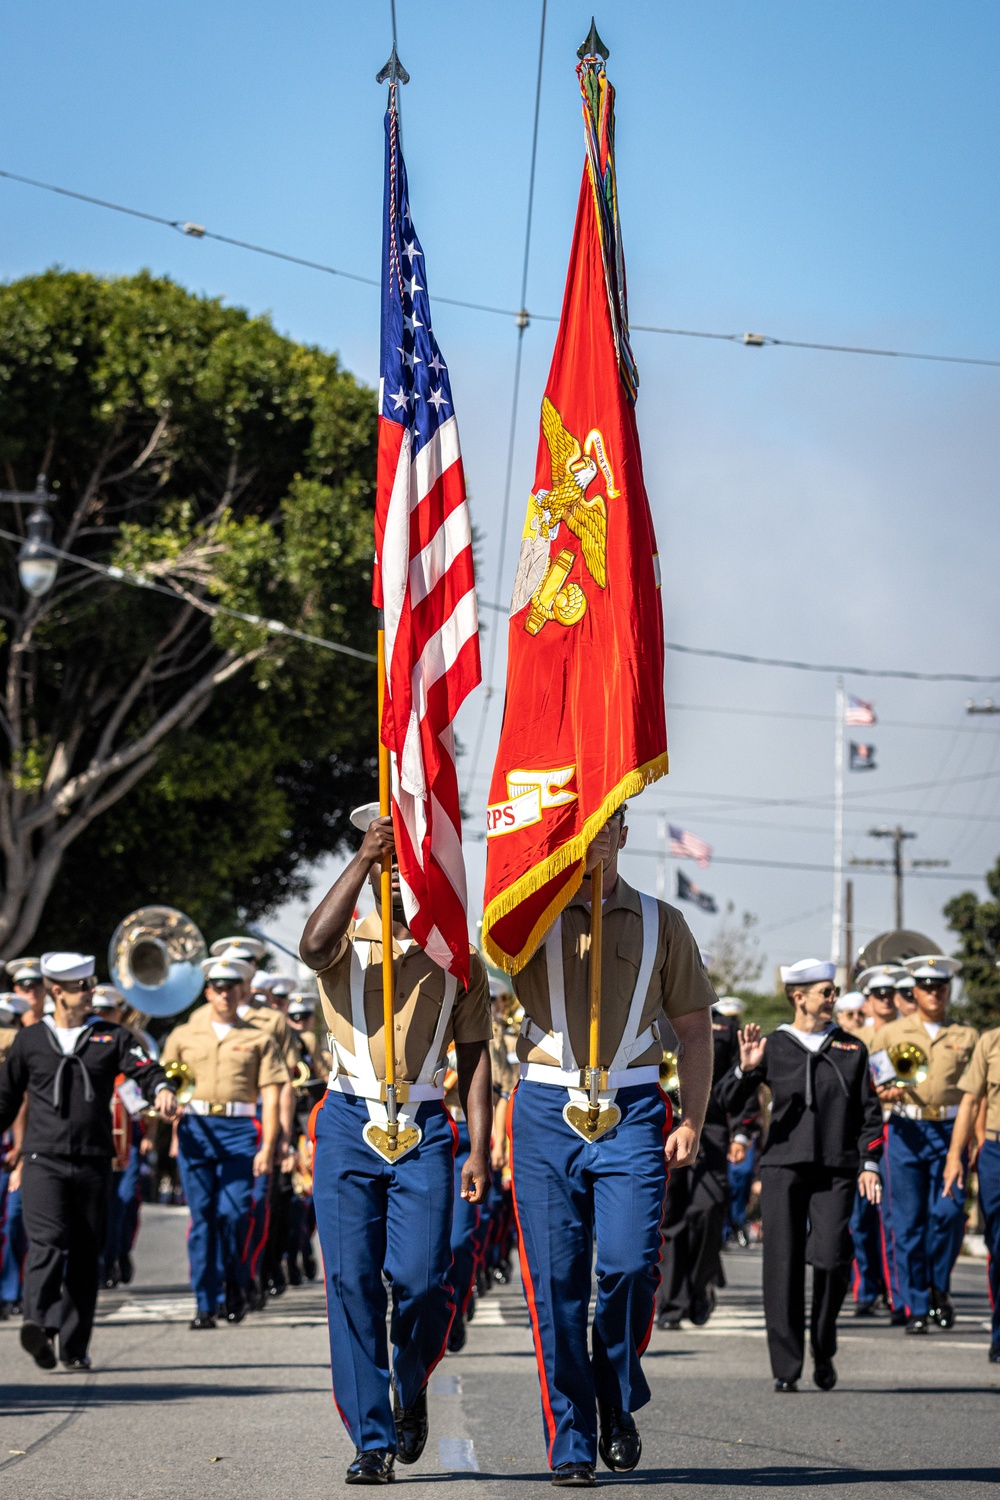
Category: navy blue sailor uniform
<point>826,1124</point>
<point>379,1218</point>
<point>569,1191</point>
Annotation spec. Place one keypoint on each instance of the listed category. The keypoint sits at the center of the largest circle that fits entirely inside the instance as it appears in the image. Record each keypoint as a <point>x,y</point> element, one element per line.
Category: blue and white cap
<point>808,971</point>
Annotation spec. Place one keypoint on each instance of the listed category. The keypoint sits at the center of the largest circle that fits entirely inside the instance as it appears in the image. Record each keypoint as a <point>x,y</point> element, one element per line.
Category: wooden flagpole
<point>388,979</point>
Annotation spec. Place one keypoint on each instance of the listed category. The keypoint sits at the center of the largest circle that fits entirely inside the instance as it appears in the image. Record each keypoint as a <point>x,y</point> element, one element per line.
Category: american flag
<point>684,845</point>
<point>858,711</point>
<point>424,584</point>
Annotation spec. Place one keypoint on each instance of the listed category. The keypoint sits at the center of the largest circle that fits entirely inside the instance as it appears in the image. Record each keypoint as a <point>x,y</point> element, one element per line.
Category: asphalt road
<point>246,1411</point>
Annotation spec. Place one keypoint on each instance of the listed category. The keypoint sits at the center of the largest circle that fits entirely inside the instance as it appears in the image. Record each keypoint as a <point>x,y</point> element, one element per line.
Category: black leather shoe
<point>276,1284</point>
<point>825,1376</point>
<point>36,1342</point>
<point>83,1363</point>
<point>294,1274</point>
<point>112,1276</point>
<point>785,1387</point>
<point>994,1355</point>
<point>457,1334</point>
<point>574,1476</point>
<point>309,1265</point>
<point>126,1270</point>
<point>201,1321</point>
<point>702,1307</point>
<point>411,1427</point>
<point>917,1324</point>
<point>236,1304</point>
<point>864,1309</point>
<point>619,1444</point>
<point>256,1297</point>
<point>373,1467</point>
<point>670,1324</point>
<point>942,1310</point>
<point>898,1317</point>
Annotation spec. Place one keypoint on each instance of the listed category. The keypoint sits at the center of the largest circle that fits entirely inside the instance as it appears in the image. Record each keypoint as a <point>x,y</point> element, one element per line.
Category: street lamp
<point>36,563</point>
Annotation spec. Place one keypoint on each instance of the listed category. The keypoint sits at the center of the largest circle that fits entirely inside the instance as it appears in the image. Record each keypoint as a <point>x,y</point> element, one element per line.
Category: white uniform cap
<point>249,947</point>
<point>932,966</point>
<point>16,1004</point>
<point>261,981</point>
<point>365,814</point>
<point>904,982</point>
<point>301,1005</point>
<point>808,971</point>
<point>59,966</point>
<point>729,1005</point>
<point>106,997</point>
<point>283,984</point>
<point>24,970</point>
<point>225,968</point>
<point>853,1000</point>
<point>879,977</point>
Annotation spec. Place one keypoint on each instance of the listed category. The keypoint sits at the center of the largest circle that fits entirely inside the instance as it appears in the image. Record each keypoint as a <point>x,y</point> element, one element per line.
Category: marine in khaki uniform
<point>924,1229</point>
<point>875,1279</point>
<point>390,1217</point>
<point>570,1191</point>
<point>220,1149</point>
<point>980,1085</point>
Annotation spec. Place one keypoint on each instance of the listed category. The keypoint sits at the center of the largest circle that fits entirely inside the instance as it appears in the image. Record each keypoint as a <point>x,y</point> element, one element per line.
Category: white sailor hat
<point>225,968</point>
<point>25,970</point>
<point>262,980</point>
<point>879,977</point>
<point>106,997</point>
<point>365,814</point>
<point>853,1000</point>
<point>808,971</point>
<point>302,1005</point>
<point>248,946</point>
<point>933,966</point>
<point>729,1005</point>
<point>59,966</point>
<point>9,1007</point>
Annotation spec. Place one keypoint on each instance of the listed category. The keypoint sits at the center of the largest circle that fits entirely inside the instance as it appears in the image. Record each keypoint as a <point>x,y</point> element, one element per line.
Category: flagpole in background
<point>661,857</point>
<point>836,936</point>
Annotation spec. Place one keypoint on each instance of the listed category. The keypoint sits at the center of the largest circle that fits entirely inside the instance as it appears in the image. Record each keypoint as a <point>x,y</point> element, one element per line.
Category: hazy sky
<point>813,172</point>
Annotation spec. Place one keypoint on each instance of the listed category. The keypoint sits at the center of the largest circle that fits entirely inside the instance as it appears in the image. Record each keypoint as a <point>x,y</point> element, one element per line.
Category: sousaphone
<point>154,958</point>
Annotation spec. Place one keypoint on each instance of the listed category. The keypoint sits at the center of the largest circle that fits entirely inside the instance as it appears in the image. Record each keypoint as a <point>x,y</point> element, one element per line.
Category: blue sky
<point>814,172</point>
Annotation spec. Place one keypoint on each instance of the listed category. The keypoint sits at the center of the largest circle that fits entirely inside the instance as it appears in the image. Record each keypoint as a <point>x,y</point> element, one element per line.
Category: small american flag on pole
<point>858,711</point>
<point>424,584</point>
<point>684,845</point>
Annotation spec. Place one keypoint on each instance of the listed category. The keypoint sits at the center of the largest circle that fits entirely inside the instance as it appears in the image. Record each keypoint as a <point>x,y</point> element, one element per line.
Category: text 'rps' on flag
<point>584,725</point>
<point>424,584</point>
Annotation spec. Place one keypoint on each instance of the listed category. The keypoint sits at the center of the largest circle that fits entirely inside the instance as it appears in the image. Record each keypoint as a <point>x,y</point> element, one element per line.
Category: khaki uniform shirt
<point>873,1039</point>
<point>417,1001</point>
<point>948,1056</point>
<point>678,985</point>
<point>232,1071</point>
<point>982,1077</point>
<point>317,1051</point>
<point>275,1025</point>
<point>7,1035</point>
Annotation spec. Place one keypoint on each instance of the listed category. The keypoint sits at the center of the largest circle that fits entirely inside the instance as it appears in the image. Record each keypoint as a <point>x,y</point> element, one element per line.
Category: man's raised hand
<point>752,1046</point>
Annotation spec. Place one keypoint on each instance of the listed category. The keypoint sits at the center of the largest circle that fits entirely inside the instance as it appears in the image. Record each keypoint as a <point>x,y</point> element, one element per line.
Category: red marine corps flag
<point>584,725</point>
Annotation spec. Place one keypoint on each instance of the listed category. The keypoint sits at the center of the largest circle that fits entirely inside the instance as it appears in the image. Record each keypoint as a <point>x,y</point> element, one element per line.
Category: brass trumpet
<point>669,1081</point>
<point>181,1074</point>
<point>910,1063</point>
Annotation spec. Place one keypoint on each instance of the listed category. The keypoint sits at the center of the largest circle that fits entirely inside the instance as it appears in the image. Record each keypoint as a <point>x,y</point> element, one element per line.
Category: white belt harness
<point>567,1073</point>
<point>357,1077</point>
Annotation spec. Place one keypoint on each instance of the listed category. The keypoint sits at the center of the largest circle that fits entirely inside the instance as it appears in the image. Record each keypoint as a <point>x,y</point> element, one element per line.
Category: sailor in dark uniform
<point>826,1123</point>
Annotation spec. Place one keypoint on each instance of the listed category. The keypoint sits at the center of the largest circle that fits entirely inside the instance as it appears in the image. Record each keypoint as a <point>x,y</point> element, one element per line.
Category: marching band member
<point>66,1068</point>
<point>378,1215</point>
<point>11,1231</point>
<point>220,1149</point>
<point>825,1122</point>
<point>467,1220</point>
<point>875,1266</point>
<point>926,1226</point>
<point>29,982</point>
<point>849,1011</point>
<point>568,1190</point>
<point>980,1084</point>
<point>905,1001</point>
<point>108,1002</point>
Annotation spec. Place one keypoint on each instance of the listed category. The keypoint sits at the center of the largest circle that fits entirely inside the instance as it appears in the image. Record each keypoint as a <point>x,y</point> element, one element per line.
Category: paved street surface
<point>246,1412</point>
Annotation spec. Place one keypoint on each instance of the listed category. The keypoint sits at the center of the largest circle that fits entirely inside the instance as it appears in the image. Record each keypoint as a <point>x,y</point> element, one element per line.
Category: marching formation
<point>576,1089</point>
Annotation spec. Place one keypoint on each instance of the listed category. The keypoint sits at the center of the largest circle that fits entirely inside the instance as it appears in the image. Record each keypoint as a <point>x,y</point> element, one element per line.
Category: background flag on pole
<point>685,845</point>
<point>424,584</point>
<point>688,891</point>
<point>859,711</point>
<point>862,757</point>
<point>584,725</point>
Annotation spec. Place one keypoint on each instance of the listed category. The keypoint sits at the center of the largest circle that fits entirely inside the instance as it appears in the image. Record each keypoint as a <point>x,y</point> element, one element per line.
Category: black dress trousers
<point>693,1221</point>
<point>65,1211</point>
<point>806,1212</point>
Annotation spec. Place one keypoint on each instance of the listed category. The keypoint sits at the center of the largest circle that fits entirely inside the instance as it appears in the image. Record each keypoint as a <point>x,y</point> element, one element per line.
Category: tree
<point>734,961</point>
<point>151,749</point>
<point>977,924</point>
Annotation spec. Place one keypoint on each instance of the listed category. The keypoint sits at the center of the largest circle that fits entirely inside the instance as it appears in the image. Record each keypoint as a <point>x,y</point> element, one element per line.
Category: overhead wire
<point>748,340</point>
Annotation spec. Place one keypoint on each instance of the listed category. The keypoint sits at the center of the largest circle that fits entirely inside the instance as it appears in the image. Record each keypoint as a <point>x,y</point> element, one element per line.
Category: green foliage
<point>977,924</point>
<point>191,442</point>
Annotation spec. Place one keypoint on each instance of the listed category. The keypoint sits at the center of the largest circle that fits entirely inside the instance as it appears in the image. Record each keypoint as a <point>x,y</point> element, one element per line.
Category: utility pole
<point>836,934</point>
<point>848,929</point>
<point>896,864</point>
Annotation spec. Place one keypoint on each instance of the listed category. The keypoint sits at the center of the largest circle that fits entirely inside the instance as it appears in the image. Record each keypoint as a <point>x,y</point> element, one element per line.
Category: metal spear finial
<point>593,46</point>
<point>393,72</point>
